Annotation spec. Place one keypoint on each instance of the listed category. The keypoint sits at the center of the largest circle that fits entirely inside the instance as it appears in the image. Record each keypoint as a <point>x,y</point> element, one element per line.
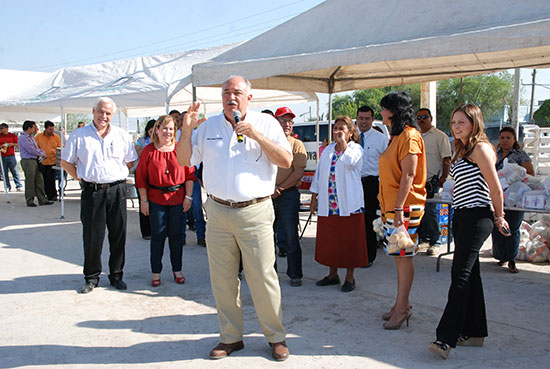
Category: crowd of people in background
<point>251,166</point>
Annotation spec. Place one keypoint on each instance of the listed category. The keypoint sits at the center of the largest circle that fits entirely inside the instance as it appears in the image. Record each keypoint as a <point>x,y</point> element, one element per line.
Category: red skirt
<point>341,241</point>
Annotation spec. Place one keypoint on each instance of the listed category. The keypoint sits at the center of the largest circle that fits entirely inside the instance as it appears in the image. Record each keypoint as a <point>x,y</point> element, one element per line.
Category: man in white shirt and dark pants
<point>99,155</point>
<point>240,165</point>
<point>374,143</point>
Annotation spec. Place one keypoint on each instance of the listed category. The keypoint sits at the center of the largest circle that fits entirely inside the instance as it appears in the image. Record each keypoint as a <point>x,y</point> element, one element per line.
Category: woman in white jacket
<point>337,196</point>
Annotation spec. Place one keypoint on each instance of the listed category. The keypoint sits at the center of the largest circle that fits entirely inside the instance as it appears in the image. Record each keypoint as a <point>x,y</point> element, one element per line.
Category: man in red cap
<point>286,199</point>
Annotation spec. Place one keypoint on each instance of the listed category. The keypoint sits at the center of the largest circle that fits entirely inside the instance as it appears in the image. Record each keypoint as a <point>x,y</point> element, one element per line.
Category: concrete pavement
<point>46,323</point>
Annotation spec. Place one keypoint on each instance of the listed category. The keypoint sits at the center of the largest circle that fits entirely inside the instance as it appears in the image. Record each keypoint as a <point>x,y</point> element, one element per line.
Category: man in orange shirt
<point>49,141</point>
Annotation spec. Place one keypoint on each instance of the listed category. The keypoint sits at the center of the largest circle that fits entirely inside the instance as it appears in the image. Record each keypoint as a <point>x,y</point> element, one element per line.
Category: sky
<point>44,36</point>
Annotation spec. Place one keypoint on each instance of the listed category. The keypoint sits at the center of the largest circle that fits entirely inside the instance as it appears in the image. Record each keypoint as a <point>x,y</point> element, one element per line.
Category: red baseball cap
<point>283,111</point>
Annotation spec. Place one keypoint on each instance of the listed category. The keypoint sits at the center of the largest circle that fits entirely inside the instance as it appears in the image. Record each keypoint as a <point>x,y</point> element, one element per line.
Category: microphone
<point>237,118</point>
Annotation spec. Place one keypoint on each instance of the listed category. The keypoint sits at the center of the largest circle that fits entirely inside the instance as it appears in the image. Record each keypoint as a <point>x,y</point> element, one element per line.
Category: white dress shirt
<point>98,159</point>
<point>236,171</point>
<point>348,180</point>
<point>374,144</point>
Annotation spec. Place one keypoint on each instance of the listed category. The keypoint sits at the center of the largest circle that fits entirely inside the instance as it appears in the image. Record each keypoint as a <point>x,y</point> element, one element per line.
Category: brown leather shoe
<point>279,351</point>
<point>225,349</point>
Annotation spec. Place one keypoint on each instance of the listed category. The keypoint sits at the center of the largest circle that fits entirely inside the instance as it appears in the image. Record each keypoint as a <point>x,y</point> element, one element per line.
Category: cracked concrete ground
<point>46,323</point>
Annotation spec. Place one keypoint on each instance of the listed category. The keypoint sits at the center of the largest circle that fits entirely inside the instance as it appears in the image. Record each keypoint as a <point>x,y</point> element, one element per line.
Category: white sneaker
<point>423,246</point>
<point>433,250</point>
<point>19,189</point>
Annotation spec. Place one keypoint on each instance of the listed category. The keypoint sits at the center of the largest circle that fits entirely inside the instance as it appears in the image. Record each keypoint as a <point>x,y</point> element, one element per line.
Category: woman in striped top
<point>478,204</point>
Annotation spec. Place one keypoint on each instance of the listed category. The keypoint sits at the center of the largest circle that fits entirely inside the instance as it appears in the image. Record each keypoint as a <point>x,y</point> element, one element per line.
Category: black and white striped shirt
<point>470,188</point>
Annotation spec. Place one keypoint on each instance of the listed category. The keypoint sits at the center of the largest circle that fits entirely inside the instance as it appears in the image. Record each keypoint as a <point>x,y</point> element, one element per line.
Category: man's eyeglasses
<point>286,121</point>
<point>418,117</point>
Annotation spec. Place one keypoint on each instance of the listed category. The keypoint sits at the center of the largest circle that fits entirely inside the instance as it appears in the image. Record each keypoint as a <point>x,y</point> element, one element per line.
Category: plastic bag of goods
<point>512,172</point>
<point>524,238</point>
<point>400,240</point>
<point>536,251</point>
<point>514,194</point>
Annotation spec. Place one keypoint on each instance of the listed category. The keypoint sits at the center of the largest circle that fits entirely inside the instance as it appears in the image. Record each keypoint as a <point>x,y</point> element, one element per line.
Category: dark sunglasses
<point>418,117</point>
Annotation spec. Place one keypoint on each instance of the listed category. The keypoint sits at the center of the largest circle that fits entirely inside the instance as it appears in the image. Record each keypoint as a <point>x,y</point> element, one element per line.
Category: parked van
<point>305,131</point>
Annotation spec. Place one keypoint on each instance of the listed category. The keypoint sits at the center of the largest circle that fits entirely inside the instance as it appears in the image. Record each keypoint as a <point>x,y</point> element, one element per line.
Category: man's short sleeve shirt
<point>299,160</point>
<point>97,159</point>
<point>437,146</point>
<point>9,138</point>
<point>232,170</point>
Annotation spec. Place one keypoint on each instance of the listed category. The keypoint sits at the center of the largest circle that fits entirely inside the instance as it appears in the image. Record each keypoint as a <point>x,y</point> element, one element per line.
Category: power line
<point>175,38</point>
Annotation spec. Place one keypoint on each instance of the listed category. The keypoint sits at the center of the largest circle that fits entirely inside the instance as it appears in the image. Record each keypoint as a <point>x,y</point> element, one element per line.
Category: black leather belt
<point>240,204</point>
<point>101,186</point>
<point>165,189</point>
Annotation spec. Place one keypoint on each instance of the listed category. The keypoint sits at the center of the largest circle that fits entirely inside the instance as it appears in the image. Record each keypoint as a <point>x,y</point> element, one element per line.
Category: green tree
<point>348,104</point>
<point>490,92</point>
<point>542,115</point>
<point>342,105</point>
<point>73,119</point>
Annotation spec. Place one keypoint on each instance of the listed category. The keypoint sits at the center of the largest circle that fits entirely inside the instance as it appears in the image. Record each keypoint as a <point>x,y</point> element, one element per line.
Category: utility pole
<point>532,97</point>
<point>515,102</point>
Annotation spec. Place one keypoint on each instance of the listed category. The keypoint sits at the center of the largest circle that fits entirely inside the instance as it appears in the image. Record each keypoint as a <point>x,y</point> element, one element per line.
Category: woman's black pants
<point>465,311</point>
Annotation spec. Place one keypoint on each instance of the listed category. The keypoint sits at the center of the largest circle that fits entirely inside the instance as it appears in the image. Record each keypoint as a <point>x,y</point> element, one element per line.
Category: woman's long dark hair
<point>150,124</point>
<point>400,104</point>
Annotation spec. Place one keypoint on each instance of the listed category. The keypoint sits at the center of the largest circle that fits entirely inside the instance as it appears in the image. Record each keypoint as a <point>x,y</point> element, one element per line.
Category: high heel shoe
<point>469,341</point>
<point>389,325</point>
<point>440,348</point>
<point>155,282</point>
<point>387,316</point>
<point>179,280</point>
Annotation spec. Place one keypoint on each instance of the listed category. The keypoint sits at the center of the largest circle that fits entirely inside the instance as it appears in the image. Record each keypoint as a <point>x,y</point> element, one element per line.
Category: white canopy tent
<point>143,86</point>
<point>343,45</point>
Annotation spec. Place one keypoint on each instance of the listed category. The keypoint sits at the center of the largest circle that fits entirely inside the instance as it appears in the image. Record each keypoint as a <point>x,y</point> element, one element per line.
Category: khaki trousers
<point>34,181</point>
<point>247,231</point>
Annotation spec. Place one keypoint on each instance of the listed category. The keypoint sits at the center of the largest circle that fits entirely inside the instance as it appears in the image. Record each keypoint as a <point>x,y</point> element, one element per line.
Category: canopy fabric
<point>143,86</point>
<point>343,45</point>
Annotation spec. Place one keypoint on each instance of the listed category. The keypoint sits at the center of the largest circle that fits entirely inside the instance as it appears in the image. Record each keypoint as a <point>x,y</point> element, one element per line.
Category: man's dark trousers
<point>49,182</point>
<point>102,208</point>
<point>370,195</point>
<point>287,207</point>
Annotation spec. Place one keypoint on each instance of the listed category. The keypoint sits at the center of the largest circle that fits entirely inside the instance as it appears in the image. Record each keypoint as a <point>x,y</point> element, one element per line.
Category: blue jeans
<point>196,205</point>
<point>166,221</point>
<point>287,207</point>
<point>429,227</point>
<point>506,248</point>
<point>9,162</point>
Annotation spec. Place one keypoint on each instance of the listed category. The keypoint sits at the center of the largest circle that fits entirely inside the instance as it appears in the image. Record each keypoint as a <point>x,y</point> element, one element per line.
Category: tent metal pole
<point>330,117</point>
<point>194,89</point>
<point>330,91</point>
<point>62,176</point>
<point>6,179</point>
<point>317,129</point>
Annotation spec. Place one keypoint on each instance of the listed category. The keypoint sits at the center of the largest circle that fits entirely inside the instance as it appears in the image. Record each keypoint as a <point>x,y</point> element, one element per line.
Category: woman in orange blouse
<point>402,194</point>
